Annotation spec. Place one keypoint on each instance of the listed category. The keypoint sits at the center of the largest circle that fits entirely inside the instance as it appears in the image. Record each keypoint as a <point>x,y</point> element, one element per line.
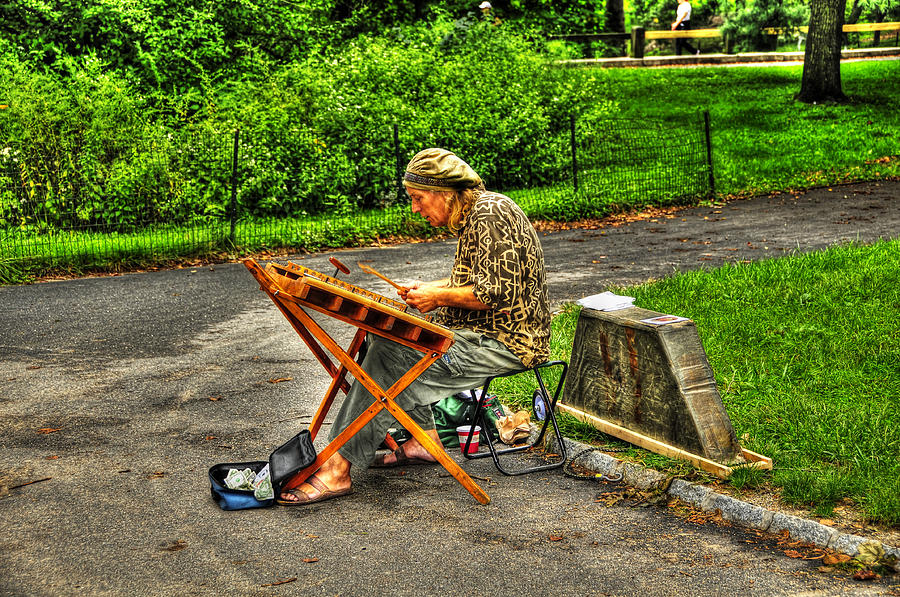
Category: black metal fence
<point>628,161</point>
<point>68,205</point>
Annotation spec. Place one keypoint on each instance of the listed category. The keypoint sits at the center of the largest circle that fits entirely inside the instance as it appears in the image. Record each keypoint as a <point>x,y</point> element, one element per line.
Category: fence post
<point>637,42</point>
<point>574,154</point>
<point>232,209</point>
<point>587,47</point>
<point>709,162</point>
<point>399,162</point>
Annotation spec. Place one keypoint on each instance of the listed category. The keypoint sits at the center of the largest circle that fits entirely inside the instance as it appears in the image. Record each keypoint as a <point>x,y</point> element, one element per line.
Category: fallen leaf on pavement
<point>280,379</point>
<point>46,430</point>
<point>866,575</point>
<point>870,552</point>
<point>176,545</point>
<point>814,557</point>
<point>609,498</point>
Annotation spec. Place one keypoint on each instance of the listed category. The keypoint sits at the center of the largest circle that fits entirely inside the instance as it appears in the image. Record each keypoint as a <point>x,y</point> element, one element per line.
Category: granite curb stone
<point>733,510</point>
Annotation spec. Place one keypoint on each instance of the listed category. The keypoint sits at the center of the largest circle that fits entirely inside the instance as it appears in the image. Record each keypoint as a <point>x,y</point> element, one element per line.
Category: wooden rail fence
<point>639,36</point>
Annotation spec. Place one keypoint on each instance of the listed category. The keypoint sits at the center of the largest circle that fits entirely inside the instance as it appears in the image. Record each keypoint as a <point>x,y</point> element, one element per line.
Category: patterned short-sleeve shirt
<point>500,255</point>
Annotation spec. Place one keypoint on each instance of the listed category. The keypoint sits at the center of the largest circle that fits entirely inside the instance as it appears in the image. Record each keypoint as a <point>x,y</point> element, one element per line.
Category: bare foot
<point>413,451</point>
<point>331,480</point>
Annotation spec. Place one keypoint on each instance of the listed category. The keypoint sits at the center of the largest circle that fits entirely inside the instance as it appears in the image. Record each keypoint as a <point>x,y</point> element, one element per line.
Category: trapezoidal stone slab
<point>651,379</point>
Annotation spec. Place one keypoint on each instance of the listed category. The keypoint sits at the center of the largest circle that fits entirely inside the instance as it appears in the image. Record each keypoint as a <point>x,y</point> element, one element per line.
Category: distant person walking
<point>487,13</point>
<point>683,23</point>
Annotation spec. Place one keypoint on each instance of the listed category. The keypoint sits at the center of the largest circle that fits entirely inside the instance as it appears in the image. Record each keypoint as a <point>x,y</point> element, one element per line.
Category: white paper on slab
<point>606,301</point>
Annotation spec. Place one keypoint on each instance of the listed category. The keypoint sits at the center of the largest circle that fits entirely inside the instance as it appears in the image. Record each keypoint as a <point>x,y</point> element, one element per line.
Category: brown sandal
<point>402,460</point>
<point>304,498</point>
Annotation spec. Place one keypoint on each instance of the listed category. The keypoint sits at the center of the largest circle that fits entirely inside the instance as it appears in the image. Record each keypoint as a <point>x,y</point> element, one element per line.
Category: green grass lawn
<point>806,356</point>
<point>762,139</point>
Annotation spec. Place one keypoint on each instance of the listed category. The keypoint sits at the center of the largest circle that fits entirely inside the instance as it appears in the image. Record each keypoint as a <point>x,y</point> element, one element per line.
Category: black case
<point>290,458</point>
<point>286,461</point>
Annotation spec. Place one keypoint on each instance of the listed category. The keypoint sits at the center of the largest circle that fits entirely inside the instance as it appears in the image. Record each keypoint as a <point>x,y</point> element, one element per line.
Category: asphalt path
<point>118,393</point>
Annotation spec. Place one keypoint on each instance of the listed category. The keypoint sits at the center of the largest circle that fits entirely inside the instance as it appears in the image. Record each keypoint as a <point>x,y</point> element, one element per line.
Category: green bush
<point>479,90</point>
<point>88,148</point>
<point>86,151</point>
<point>176,47</point>
<point>64,144</point>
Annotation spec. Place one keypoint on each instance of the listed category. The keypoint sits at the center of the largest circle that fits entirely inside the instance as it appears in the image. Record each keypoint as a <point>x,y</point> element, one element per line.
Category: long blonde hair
<point>459,203</point>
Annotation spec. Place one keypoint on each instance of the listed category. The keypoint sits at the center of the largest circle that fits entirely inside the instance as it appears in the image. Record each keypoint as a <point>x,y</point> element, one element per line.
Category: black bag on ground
<point>290,458</point>
<point>286,461</point>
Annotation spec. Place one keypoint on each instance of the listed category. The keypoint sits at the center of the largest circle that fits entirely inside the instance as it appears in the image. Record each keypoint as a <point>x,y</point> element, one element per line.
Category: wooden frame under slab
<point>722,471</point>
<point>293,288</point>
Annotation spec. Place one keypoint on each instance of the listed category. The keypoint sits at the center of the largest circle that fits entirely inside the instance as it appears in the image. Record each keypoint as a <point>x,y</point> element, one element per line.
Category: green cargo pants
<point>467,364</point>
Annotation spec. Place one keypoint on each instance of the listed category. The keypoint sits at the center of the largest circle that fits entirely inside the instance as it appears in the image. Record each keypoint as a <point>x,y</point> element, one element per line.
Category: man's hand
<point>423,297</point>
<point>428,296</point>
<point>403,292</point>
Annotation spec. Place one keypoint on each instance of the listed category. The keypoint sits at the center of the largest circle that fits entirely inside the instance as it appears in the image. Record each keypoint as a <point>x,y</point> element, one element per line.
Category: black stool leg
<point>493,452</point>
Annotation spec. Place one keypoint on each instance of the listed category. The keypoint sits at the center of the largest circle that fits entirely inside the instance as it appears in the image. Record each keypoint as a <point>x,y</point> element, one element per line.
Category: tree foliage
<point>873,11</point>
<point>164,45</point>
<point>315,85</point>
<point>747,20</point>
<point>173,44</point>
<point>317,129</point>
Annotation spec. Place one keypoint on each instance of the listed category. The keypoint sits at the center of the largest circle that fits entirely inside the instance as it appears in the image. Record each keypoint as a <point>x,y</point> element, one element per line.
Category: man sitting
<point>495,300</point>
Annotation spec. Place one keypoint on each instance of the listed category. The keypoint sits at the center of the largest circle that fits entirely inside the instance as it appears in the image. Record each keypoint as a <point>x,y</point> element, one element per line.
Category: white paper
<point>606,301</point>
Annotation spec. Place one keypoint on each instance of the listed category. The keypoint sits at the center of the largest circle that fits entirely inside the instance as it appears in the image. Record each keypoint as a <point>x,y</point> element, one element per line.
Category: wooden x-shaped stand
<point>293,293</point>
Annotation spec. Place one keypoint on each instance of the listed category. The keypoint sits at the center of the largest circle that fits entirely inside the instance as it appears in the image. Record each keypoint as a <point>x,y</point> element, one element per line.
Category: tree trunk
<point>822,61</point>
<point>615,23</point>
<point>855,11</point>
<point>615,16</point>
<point>876,37</point>
<point>853,18</point>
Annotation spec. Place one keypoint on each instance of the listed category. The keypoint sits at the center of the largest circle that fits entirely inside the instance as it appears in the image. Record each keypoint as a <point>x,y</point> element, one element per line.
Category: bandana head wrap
<point>439,170</point>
